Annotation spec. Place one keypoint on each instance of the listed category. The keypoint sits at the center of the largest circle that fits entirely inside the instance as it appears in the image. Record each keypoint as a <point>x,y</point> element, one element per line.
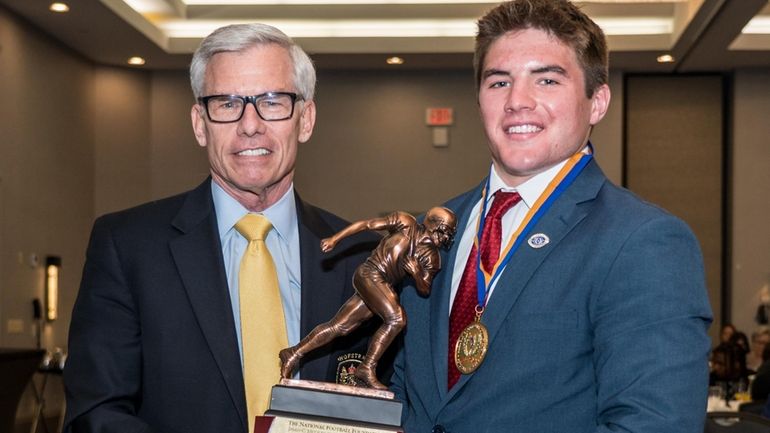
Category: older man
<point>185,302</point>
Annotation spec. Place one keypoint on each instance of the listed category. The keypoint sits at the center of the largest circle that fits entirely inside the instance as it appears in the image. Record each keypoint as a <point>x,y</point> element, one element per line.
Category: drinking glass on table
<point>716,399</point>
<point>716,392</point>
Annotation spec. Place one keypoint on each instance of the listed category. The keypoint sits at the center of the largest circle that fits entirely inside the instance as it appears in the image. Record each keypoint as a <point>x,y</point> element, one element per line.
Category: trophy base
<point>302,401</point>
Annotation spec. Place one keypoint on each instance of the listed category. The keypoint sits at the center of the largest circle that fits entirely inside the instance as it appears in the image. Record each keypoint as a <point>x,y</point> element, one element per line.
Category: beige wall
<point>145,148</point>
<point>750,191</point>
<point>177,163</point>
<point>122,138</point>
<point>607,136</point>
<point>46,174</point>
<point>46,183</point>
<point>674,153</point>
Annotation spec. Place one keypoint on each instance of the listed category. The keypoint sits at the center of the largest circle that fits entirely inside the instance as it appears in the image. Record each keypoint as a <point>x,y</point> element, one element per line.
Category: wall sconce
<point>52,266</point>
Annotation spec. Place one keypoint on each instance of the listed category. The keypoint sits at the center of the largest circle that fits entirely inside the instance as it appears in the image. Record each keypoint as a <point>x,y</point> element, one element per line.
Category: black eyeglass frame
<point>204,100</point>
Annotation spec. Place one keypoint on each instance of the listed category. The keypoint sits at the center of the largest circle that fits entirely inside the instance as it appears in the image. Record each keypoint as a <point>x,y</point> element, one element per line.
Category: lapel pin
<point>538,240</point>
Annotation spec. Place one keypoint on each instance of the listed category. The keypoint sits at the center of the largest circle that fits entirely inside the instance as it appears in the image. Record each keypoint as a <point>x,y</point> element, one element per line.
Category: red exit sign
<point>438,116</point>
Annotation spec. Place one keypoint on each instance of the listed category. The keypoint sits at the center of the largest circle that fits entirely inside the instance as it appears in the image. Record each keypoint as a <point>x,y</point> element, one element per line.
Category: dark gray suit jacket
<point>602,329</point>
<point>152,341</point>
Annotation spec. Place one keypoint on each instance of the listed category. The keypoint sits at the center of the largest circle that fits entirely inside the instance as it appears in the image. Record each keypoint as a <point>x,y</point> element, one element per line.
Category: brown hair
<point>561,19</point>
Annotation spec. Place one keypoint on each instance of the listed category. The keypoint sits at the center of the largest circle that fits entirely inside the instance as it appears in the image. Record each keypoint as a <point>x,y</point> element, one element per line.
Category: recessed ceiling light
<point>394,60</point>
<point>136,61</point>
<point>665,58</point>
<point>59,7</point>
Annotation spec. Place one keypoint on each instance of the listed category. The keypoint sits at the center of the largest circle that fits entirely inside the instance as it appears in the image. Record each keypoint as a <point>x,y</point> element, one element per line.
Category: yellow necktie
<point>263,327</point>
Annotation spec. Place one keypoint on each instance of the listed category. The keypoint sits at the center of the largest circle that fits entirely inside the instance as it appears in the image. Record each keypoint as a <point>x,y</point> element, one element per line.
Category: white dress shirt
<point>529,191</point>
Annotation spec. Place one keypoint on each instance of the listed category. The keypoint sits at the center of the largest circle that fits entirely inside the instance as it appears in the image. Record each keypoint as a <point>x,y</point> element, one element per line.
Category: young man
<point>577,307</point>
<point>163,336</point>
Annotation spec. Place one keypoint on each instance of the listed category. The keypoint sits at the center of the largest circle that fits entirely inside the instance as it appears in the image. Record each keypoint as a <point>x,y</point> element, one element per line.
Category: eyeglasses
<point>270,106</point>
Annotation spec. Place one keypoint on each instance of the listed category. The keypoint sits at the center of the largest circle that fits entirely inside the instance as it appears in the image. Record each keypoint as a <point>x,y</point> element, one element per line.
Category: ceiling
<point>702,35</point>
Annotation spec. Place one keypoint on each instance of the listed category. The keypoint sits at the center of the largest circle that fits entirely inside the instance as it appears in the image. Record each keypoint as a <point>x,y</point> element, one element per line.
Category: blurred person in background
<point>759,340</point>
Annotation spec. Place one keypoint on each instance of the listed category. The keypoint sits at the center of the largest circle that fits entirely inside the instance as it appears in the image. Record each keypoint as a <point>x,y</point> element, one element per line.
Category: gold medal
<point>471,346</point>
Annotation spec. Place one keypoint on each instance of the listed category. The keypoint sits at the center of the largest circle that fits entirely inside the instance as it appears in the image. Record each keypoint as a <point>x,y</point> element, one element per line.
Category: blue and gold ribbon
<point>486,278</point>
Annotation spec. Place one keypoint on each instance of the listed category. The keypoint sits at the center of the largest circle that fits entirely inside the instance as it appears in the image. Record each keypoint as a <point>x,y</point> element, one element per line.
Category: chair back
<point>736,422</point>
<point>753,406</point>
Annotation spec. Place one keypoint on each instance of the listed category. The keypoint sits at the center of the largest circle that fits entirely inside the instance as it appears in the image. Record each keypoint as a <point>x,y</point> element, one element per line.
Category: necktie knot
<point>502,202</point>
<point>254,227</point>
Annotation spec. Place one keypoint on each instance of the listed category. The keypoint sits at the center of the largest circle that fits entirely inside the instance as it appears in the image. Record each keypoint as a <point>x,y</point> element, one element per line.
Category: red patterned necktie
<point>466,299</point>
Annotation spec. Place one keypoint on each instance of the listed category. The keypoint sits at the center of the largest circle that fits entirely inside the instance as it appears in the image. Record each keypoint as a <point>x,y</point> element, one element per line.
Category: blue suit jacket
<point>152,341</point>
<point>603,329</point>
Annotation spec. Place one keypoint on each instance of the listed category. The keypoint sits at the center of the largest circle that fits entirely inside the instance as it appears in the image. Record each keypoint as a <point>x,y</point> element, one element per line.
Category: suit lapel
<point>563,216</point>
<point>322,290</point>
<point>198,256</point>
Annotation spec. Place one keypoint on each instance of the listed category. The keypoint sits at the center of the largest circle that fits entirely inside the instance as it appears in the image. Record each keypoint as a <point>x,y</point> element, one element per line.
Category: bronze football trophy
<point>409,248</point>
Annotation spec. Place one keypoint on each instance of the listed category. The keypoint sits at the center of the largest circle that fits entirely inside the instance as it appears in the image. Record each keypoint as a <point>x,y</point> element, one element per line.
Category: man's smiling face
<point>253,156</point>
<point>533,104</point>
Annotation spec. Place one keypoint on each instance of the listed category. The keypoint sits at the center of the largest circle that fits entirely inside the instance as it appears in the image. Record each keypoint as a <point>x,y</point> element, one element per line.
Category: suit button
<point>438,428</point>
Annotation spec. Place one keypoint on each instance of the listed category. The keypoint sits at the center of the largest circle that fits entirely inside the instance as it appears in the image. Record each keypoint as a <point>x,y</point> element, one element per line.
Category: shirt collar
<point>281,214</point>
<point>530,190</point>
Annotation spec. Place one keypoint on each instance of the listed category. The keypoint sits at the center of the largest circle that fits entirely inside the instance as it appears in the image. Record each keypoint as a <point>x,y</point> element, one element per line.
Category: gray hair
<point>240,37</point>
